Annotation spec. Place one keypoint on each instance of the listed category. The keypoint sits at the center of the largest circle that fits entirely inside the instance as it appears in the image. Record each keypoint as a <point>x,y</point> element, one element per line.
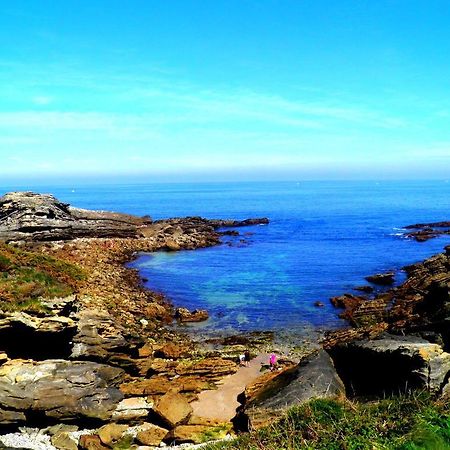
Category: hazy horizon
<point>227,90</point>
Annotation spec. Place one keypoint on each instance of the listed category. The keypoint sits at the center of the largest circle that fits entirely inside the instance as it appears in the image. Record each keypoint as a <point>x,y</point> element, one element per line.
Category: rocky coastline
<point>99,368</point>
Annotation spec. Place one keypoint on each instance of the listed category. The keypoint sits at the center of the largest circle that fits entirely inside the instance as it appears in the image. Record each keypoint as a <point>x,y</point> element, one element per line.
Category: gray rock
<point>97,335</point>
<point>58,389</point>
<point>391,364</point>
<point>26,216</point>
<point>314,377</point>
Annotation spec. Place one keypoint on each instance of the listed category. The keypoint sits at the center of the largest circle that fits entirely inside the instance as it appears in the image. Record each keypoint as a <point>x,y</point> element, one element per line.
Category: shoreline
<point>116,326</point>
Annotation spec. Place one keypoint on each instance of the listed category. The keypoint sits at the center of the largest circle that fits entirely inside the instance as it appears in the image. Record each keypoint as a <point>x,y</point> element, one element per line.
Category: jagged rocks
<point>58,389</point>
<point>391,364</point>
<point>314,377</point>
<point>26,216</point>
<point>184,315</point>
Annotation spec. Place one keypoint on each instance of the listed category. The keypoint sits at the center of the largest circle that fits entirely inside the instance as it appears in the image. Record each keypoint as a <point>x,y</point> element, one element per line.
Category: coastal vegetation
<point>26,277</point>
<point>410,422</point>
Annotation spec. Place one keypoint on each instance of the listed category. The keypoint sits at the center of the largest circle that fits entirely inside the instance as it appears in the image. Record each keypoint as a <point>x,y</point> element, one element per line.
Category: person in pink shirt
<point>272,361</point>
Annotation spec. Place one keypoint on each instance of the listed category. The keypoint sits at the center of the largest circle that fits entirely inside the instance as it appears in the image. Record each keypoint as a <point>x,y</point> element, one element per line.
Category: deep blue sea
<point>323,239</point>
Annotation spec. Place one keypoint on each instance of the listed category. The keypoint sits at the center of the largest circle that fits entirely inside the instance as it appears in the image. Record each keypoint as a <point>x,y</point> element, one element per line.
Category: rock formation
<point>26,216</point>
<point>314,377</point>
<point>33,391</point>
<point>424,231</point>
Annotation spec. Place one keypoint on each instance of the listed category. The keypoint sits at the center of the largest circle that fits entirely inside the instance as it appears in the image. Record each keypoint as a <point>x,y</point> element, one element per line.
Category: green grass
<point>414,422</point>
<point>26,277</point>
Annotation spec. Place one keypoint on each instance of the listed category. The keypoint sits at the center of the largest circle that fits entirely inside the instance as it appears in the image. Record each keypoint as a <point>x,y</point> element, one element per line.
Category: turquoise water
<point>323,239</point>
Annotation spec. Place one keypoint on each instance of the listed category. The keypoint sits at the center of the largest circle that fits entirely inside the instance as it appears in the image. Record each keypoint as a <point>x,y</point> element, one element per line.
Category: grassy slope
<point>407,423</point>
<point>25,277</point>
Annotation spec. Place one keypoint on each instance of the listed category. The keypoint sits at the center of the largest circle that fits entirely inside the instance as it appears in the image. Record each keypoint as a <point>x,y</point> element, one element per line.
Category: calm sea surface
<point>323,239</point>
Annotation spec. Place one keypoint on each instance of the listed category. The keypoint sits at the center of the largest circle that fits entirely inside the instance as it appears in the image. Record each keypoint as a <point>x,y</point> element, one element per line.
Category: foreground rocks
<point>58,389</point>
<point>268,399</point>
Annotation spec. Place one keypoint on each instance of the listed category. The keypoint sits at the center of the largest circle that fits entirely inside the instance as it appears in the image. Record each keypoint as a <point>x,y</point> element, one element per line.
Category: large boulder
<point>173,409</point>
<point>27,216</point>
<point>391,364</point>
<point>313,377</point>
<point>57,389</point>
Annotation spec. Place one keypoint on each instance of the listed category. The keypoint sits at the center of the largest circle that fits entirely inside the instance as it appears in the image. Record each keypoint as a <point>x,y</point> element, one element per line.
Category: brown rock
<point>173,408</point>
<point>172,245</point>
<point>111,433</point>
<point>63,441</point>
<point>184,315</point>
<point>91,442</point>
<point>208,368</point>
<point>172,351</point>
<point>383,279</point>
<point>151,435</point>
<point>151,386</point>
<point>146,350</point>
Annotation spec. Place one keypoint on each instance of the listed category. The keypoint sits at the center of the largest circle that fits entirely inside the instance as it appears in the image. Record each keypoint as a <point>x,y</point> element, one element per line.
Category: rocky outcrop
<point>383,279</point>
<point>421,304</point>
<point>314,377</point>
<point>424,231</point>
<point>57,389</point>
<point>391,364</point>
<point>224,223</point>
<point>26,216</point>
<point>184,315</point>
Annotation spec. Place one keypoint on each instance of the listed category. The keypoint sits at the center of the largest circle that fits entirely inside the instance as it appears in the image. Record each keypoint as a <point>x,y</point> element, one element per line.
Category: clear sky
<point>224,89</point>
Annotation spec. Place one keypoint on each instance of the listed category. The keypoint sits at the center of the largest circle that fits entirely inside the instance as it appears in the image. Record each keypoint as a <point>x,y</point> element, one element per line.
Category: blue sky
<point>216,90</point>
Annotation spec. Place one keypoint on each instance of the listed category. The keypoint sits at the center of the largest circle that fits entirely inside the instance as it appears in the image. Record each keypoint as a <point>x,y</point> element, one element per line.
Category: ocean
<point>322,240</point>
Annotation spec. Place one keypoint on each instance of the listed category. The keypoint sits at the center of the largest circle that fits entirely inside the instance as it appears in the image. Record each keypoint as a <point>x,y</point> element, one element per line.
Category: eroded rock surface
<point>58,389</point>
<point>26,216</point>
